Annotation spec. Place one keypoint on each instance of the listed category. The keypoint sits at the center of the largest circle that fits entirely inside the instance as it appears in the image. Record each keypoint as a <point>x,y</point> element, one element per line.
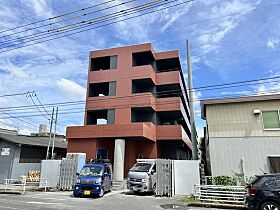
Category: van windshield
<point>91,171</point>
<point>141,167</point>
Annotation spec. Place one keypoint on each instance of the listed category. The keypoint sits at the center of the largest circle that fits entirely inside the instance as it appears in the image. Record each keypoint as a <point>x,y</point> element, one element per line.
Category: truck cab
<point>142,176</point>
<point>95,178</point>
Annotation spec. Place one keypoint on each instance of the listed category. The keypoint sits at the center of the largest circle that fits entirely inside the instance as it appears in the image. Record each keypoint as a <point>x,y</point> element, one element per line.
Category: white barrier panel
<point>50,170</point>
<point>185,176</point>
<point>220,194</point>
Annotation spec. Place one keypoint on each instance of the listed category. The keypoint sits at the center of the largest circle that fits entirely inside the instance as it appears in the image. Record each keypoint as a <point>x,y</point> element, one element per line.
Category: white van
<point>142,176</point>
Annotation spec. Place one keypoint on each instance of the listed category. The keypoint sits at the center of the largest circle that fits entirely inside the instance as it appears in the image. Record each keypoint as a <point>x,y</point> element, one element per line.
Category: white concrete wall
<point>226,154</point>
<point>50,169</point>
<point>185,176</point>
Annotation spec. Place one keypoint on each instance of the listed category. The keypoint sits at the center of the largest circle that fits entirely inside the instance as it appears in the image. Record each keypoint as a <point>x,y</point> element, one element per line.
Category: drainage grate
<point>173,206</point>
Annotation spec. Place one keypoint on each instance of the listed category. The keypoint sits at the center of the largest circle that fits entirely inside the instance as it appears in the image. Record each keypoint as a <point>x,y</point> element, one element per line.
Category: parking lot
<point>64,200</point>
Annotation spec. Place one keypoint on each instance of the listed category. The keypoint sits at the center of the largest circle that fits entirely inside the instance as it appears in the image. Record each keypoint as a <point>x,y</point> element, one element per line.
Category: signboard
<point>5,151</point>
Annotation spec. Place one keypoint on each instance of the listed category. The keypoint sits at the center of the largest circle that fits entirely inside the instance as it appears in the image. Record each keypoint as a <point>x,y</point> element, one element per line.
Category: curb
<point>216,205</point>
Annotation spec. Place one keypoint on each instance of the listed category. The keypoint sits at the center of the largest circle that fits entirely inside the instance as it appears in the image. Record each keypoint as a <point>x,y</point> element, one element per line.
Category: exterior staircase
<point>119,185</point>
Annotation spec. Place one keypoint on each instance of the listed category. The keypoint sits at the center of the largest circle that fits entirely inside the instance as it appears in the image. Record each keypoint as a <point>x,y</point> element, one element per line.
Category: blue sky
<point>231,40</point>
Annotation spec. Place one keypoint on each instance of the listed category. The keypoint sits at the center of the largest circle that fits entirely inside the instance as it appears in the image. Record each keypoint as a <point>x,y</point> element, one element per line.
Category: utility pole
<point>48,149</point>
<point>54,132</point>
<point>193,130</point>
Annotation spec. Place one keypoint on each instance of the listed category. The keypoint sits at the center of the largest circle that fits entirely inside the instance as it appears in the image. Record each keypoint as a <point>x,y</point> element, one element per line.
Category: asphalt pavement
<point>65,201</point>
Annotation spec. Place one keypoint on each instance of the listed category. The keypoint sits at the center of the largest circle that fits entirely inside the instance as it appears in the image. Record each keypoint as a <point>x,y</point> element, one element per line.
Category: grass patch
<point>188,199</point>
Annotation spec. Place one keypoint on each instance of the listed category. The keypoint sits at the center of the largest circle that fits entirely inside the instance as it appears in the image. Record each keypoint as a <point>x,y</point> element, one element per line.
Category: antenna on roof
<point>263,171</point>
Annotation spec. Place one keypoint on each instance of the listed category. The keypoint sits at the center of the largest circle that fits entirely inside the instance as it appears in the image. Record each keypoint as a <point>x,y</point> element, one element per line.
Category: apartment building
<point>136,107</point>
<point>242,135</point>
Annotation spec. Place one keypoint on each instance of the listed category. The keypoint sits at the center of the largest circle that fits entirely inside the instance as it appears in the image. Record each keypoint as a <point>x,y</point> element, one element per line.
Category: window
<point>102,89</point>
<point>103,63</point>
<point>143,86</point>
<point>169,64</point>
<point>270,182</point>
<point>271,119</point>
<point>32,154</point>
<point>100,117</point>
<point>102,153</point>
<point>143,114</point>
<point>142,58</point>
<point>155,168</point>
<point>277,182</point>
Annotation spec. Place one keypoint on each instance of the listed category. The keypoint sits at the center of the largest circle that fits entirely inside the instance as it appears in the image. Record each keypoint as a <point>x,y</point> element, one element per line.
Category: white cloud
<point>273,43</point>
<point>268,88</point>
<point>71,89</point>
<point>14,71</point>
<point>171,16</point>
<point>210,35</point>
<point>40,7</point>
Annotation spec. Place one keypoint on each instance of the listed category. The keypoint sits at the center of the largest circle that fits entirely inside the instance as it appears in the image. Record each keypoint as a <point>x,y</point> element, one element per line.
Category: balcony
<point>168,64</point>
<point>96,117</point>
<point>143,114</point>
<point>143,86</point>
<point>102,89</point>
<point>103,63</point>
<point>111,102</point>
<point>143,58</point>
<point>172,132</point>
<point>140,130</point>
<point>143,72</point>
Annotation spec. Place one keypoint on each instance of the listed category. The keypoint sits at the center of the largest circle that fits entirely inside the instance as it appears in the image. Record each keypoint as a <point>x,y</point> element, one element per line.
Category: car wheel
<point>155,188</point>
<point>270,205</point>
<point>76,195</point>
<point>110,188</point>
<point>101,193</point>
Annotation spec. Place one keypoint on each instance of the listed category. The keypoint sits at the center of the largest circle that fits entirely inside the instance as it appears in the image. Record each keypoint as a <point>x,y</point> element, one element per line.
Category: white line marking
<point>7,207</point>
<point>60,199</point>
<point>43,203</point>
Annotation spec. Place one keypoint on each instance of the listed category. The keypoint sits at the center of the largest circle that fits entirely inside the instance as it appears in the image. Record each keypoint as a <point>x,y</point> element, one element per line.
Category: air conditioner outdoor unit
<point>257,111</point>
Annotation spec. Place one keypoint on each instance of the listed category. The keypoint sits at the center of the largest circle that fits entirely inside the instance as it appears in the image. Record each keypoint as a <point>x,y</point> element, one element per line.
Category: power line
<point>100,99</point>
<point>87,23</point>
<point>203,88</point>
<point>140,15</point>
<point>137,105</point>
<point>54,31</point>
<point>11,116</point>
<point>201,21</point>
<point>14,94</point>
<point>239,82</point>
<point>27,16</point>
<point>185,25</point>
<point>41,104</point>
<point>159,93</point>
<point>51,18</point>
<point>30,95</point>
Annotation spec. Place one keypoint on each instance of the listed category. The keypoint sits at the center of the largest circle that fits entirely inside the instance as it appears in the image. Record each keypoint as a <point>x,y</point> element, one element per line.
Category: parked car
<point>263,192</point>
<point>142,176</point>
<point>94,179</point>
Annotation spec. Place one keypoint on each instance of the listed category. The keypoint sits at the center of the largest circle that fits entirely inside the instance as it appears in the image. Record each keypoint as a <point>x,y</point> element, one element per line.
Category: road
<point>65,201</point>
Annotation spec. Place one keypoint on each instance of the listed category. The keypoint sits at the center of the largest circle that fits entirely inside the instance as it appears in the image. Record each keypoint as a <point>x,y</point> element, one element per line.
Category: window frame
<point>270,129</point>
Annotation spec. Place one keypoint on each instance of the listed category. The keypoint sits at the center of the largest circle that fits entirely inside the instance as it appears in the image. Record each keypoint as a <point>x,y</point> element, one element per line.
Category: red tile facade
<point>142,138</point>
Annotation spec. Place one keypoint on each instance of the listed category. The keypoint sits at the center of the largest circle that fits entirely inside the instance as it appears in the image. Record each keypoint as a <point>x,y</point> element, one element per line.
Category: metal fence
<point>164,177</point>
<point>220,194</point>
<point>21,185</point>
<point>68,172</point>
